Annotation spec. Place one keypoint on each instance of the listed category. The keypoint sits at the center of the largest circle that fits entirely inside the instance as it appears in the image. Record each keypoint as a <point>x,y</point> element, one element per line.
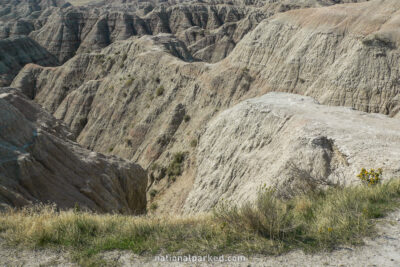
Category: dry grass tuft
<point>314,221</point>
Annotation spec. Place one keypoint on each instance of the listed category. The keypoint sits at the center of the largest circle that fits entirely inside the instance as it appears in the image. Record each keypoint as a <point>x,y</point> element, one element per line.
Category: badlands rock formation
<point>40,162</point>
<point>15,52</point>
<point>210,31</point>
<point>21,17</point>
<point>284,141</point>
<point>141,79</point>
<point>342,55</point>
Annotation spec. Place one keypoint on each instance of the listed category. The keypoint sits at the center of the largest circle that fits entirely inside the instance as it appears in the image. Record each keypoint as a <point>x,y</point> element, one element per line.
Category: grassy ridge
<point>311,222</point>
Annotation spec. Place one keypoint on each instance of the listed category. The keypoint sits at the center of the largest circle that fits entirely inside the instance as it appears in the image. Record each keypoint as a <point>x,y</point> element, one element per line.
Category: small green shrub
<point>370,177</point>
<point>153,206</point>
<point>160,91</point>
<point>129,82</point>
<point>124,57</point>
<point>186,118</point>
<point>176,165</point>
<point>128,141</point>
<point>193,143</point>
<point>153,193</point>
<point>155,166</point>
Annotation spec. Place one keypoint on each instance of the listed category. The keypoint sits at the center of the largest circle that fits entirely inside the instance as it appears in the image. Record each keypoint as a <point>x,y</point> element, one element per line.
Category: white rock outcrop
<point>284,140</point>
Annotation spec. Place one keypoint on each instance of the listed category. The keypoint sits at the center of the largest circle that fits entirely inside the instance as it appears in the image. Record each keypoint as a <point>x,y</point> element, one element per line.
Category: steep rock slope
<point>110,99</point>
<point>16,52</point>
<point>20,17</point>
<point>209,30</point>
<point>115,105</point>
<point>39,162</point>
<point>287,141</point>
<point>16,9</point>
<point>144,99</point>
<point>342,55</point>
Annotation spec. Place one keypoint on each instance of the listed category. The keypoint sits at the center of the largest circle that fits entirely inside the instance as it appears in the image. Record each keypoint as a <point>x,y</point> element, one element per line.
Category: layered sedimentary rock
<point>16,9</point>
<point>22,17</point>
<point>209,30</point>
<point>286,141</point>
<point>342,55</point>
<point>40,163</point>
<point>147,97</point>
<point>16,52</point>
<point>110,99</point>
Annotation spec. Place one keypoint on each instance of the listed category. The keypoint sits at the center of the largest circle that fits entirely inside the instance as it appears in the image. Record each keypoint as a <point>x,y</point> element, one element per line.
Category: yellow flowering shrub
<point>371,177</point>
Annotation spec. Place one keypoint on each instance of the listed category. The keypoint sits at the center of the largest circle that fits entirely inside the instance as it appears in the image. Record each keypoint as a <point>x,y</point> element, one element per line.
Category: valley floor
<point>383,250</point>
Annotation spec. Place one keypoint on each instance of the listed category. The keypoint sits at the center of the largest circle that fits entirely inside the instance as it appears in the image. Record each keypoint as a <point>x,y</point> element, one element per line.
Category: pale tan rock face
<point>341,55</point>
<point>40,162</point>
<point>210,31</point>
<point>130,98</point>
<point>267,141</point>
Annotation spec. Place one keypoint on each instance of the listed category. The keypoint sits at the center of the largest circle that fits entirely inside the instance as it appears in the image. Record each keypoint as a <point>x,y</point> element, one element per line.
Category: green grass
<point>160,91</point>
<point>312,222</point>
<point>129,82</point>
<point>175,167</point>
<point>193,142</point>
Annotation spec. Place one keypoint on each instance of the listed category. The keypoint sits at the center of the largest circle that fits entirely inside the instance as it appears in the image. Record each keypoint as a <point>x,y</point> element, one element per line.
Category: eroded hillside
<point>40,163</point>
<point>142,80</point>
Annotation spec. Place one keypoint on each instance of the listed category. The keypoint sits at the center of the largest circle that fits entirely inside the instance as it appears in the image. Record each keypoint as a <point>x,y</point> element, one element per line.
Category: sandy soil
<point>383,250</point>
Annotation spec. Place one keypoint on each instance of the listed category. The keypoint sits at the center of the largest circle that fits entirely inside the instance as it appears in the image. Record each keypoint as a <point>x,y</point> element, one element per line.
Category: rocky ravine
<point>209,29</point>
<point>15,52</point>
<point>40,162</point>
<point>114,104</point>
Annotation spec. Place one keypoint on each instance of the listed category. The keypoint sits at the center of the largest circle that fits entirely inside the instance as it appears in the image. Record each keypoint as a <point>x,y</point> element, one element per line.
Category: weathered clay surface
<point>147,97</point>
<point>16,52</point>
<point>342,55</point>
<point>20,17</point>
<point>40,162</point>
<point>285,140</point>
<point>16,9</point>
<point>209,30</point>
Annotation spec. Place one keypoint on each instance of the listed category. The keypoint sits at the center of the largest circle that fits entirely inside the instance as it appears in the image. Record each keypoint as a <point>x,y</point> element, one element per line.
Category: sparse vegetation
<point>175,167</point>
<point>160,91</point>
<point>153,206</point>
<point>186,118</point>
<point>128,141</point>
<point>314,221</point>
<point>129,82</point>
<point>193,143</point>
<point>370,177</point>
<point>153,193</point>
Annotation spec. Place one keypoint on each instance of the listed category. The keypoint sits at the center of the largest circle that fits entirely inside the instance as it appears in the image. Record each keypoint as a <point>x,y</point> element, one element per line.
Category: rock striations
<point>142,79</point>
<point>15,52</point>
<point>287,141</point>
<point>40,162</point>
<point>342,55</point>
